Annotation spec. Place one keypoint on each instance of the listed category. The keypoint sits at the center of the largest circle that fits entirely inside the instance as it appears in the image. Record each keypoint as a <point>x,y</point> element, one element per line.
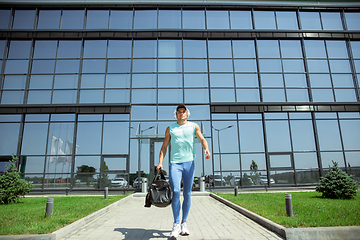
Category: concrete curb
<point>319,233</point>
<point>63,232</point>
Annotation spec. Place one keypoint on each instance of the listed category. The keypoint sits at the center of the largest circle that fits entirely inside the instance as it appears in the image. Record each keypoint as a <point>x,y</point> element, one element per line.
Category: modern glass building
<point>87,89</point>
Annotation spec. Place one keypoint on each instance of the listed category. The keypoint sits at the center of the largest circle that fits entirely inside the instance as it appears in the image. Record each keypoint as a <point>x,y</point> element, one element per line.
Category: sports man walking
<point>181,136</point>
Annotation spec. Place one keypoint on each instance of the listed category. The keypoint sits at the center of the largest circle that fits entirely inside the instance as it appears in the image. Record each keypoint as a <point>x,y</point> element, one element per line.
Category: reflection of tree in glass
<point>85,177</point>
<point>105,182</point>
<point>254,168</point>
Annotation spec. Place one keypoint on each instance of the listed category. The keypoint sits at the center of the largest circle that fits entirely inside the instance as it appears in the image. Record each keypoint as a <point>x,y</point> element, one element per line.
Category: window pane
<point>145,49</point>
<point>41,81</point>
<point>246,80</point>
<point>290,49</point>
<point>119,66</point>
<point>340,66</point>
<point>328,157</point>
<point>241,20</point>
<point>2,48</point>
<point>331,21</point>
<point>121,19</point>
<point>217,19</point>
<point>170,96</point>
<point>170,49</point>
<point>16,66</point>
<point>91,96</point>
<point>280,160</point>
<point>244,49</point>
<point>322,95</point>
<point>94,66</point>
<point>352,21</point>
<point>117,81</point>
<point>72,19</point>
<point>272,80</point>
<point>92,81</point>
<point>170,65</point>
<point>69,49</point>
<point>66,81</point>
<point>43,66</point>
<point>251,136</point>
<point>195,65</point>
<point>345,95</point>
<point>273,95</point>
<point>67,66</point>
<point>49,19</point>
<point>144,65</point>
<point>295,80</point>
<point>222,131</point>
<point>14,82</point>
<point>297,95</point>
<point>196,80</point>
<point>220,65</point>
<point>170,19</point>
<point>19,50</point>
<point>278,136</point>
<point>221,80</point>
<point>222,95</point>
<point>12,97</point>
<point>4,18</point>
<point>95,48</point>
<point>320,80</point>
<point>193,19</point>
<point>302,135</point>
<point>355,48</point>
<point>144,96</point>
<point>287,20</point>
<point>119,49</point>
<point>8,144</point>
<point>270,65</point>
<point>305,160</point>
<point>144,81</point>
<point>264,20</point>
<point>328,133</point>
<point>117,96</point>
<point>170,80</point>
<point>247,95</point>
<point>89,137</point>
<point>268,49</point>
<point>245,65</point>
<point>24,19</point>
<point>64,96</point>
<point>318,66</point>
<point>337,49</point>
<point>293,66</point>
<point>342,80</point>
<point>34,139</point>
<point>115,143</point>
<point>195,49</point>
<point>196,96</point>
<point>310,20</point>
<point>145,19</point>
<point>220,49</point>
<point>97,19</point>
<point>39,97</point>
<point>349,132</point>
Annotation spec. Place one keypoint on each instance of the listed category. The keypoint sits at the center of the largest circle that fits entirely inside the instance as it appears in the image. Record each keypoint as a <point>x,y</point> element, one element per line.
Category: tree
<point>85,177</point>
<point>337,184</point>
<point>254,168</point>
<point>103,181</point>
<point>12,187</point>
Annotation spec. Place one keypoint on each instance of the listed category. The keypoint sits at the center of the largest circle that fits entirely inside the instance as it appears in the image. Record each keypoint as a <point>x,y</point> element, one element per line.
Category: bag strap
<point>159,175</point>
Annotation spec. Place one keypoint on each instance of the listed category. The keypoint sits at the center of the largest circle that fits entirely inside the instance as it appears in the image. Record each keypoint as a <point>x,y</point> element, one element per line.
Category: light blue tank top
<point>182,142</point>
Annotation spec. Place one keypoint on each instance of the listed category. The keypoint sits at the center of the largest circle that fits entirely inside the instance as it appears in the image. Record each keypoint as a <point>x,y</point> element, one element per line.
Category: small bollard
<point>49,207</point>
<point>144,185</point>
<point>202,184</point>
<point>106,192</point>
<point>288,202</point>
<point>236,189</point>
<point>67,191</point>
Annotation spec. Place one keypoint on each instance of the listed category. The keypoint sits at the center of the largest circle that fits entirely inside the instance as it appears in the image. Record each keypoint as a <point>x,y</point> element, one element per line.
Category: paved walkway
<point>208,219</point>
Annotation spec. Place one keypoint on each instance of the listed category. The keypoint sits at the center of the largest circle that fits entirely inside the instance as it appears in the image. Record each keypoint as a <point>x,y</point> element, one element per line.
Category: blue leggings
<point>186,172</point>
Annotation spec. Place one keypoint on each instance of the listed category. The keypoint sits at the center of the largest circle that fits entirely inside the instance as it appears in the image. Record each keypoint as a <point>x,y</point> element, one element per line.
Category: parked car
<point>219,180</point>
<point>137,183</point>
<point>235,181</point>
<point>119,182</point>
<point>263,180</point>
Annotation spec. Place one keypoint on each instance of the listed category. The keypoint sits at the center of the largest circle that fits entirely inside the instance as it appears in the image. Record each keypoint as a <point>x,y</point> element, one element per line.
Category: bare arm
<point>202,141</point>
<point>163,149</point>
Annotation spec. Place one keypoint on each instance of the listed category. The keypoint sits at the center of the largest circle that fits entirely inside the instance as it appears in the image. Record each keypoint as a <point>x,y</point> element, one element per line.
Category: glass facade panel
<point>121,19</point>
<point>286,20</point>
<point>264,20</point>
<point>24,19</point>
<point>49,19</point>
<point>8,144</point>
<point>145,19</point>
<point>310,20</point>
<point>97,19</point>
<point>241,20</point>
<point>352,20</point>
<point>217,19</point>
<point>193,19</point>
<point>331,21</point>
<point>278,136</point>
<point>72,19</point>
<point>4,18</point>
<point>170,19</point>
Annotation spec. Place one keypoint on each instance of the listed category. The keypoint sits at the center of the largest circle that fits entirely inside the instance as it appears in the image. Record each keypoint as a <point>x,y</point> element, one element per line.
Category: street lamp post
<point>218,133</point>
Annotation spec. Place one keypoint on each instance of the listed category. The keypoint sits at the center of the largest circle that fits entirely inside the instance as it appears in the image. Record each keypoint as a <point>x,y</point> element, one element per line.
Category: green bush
<point>337,184</point>
<point>12,188</point>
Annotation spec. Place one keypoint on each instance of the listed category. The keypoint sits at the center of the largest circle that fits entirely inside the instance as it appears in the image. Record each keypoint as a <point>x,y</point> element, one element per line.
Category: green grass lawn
<point>309,209</point>
<point>28,216</point>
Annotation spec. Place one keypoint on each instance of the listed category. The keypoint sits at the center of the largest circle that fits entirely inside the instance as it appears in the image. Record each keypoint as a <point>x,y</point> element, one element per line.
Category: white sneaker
<point>175,231</point>
<point>184,230</point>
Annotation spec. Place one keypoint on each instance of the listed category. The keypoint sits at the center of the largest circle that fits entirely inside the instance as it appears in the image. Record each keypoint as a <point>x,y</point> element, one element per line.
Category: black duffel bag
<point>160,193</point>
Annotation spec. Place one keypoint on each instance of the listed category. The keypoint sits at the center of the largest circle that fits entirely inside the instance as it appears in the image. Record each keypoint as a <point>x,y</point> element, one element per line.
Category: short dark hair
<point>181,106</point>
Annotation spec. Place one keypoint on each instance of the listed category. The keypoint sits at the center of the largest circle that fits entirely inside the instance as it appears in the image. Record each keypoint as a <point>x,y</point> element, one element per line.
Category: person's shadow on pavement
<point>140,233</point>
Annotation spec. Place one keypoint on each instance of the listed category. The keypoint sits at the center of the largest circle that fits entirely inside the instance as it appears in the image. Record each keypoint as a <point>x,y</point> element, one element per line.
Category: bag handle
<point>159,174</point>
